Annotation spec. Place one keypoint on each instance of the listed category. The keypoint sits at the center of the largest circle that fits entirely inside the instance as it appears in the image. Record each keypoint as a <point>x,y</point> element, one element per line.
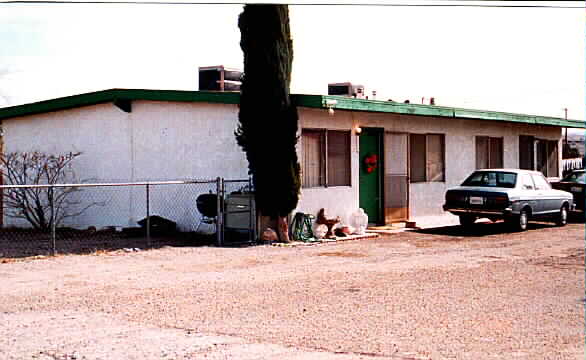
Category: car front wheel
<point>562,217</point>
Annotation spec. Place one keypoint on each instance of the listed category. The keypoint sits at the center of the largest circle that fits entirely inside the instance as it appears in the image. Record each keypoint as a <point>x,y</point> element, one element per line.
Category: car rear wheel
<point>467,220</point>
<point>563,216</point>
<point>519,222</point>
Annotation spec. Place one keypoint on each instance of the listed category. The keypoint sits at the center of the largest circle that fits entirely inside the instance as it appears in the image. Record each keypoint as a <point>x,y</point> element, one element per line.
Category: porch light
<point>330,103</point>
<point>357,130</point>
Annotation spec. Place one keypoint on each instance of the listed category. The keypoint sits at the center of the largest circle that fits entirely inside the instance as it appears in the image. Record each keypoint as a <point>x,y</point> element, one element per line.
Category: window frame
<point>324,156</point>
<point>425,153</point>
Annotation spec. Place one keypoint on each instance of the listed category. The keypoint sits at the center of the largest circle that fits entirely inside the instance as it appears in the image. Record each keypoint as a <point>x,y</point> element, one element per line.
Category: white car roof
<point>517,171</point>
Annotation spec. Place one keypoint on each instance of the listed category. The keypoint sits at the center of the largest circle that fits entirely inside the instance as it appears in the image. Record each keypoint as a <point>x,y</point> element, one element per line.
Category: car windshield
<point>577,177</point>
<point>491,179</point>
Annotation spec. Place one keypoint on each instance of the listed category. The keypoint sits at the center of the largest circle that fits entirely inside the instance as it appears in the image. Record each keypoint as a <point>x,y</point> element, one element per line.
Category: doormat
<point>394,226</point>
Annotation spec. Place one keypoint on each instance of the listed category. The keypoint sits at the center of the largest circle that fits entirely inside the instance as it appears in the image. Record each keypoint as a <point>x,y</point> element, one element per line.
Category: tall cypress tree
<point>268,121</point>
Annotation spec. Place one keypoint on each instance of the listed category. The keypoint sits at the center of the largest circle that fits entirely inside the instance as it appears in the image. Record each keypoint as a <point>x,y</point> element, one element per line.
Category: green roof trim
<point>112,95</point>
<point>310,101</point>
<point>346,103</point>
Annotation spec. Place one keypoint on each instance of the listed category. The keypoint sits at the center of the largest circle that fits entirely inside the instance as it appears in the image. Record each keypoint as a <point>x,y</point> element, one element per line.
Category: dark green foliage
<point>267,129</point>
<point>570,152</point>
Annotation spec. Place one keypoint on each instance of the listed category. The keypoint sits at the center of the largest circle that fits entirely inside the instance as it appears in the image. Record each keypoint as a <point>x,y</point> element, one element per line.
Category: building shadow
<point>480,229</point>
<point>577,218</point>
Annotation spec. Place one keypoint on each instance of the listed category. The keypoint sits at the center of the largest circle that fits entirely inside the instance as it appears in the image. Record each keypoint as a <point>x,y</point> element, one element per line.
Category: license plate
<point>476,200</point>
<point>576,189</point>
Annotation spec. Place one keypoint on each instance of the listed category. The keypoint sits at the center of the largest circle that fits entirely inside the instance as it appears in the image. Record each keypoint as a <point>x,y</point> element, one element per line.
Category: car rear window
<point>578,177</point>
<point>491,179</point>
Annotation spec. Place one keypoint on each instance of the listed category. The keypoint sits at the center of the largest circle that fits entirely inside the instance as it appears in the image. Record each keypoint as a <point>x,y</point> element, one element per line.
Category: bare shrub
<point>42,206</point>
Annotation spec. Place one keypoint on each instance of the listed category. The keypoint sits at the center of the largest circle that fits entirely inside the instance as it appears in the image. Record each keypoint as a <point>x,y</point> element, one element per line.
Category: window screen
<point>538,154</point>
<point>426,157</point>
<point>312,165</point>
<point>435,158</point>
<point>526,152</point>
<point>489,152</point>
<point>417,157</point>
<point>542,156</point>
<point>338,159</point>
<point>482,152</point>
<point>325,149</point>
<point>495,151</point>
<point>552,159</point>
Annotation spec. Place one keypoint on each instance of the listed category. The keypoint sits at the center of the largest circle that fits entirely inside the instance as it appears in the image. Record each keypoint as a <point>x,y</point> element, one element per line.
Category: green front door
<point>370,174</point>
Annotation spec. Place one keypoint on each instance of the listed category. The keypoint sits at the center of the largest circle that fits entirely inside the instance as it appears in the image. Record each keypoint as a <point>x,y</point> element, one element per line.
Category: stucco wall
<point>156,141</point>
<point>425,198</point>
<point>164,140</point>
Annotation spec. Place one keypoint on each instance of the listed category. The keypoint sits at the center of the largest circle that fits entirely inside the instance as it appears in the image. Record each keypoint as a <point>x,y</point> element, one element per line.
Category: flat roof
<point>301,100</point>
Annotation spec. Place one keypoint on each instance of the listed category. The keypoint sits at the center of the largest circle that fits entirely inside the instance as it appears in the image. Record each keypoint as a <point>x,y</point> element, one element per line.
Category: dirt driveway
<point>435,294</point>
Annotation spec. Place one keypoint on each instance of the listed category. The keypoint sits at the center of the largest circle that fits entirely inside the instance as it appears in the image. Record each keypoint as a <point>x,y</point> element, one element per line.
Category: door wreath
<point>370,162</point>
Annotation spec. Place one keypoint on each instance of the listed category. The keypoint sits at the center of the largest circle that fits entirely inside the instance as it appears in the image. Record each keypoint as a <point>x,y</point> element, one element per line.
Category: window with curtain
<point>338,159</point>
<point>427,157</point>
<point>489,152</point>
<point>325,158</point>
<point>311,165</point>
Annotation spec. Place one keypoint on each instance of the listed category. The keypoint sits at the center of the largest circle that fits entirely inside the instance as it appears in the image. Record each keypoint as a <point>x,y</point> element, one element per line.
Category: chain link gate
<point>237,213</point>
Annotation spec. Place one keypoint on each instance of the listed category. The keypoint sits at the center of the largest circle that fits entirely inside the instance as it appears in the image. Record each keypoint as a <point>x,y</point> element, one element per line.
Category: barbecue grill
<point>207,205</point>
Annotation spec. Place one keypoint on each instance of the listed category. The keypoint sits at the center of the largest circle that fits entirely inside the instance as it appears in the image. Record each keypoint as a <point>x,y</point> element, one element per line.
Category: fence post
<point>53,225</point>
<point>148,217</point>
<point>220,212</point>
<point>251,214</point>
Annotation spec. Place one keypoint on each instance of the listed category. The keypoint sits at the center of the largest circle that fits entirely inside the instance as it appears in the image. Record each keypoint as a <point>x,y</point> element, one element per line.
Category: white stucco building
<point>398,168</point>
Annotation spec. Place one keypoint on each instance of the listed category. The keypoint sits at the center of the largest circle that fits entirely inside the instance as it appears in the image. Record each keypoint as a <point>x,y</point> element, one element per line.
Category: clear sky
<point>506,59</point>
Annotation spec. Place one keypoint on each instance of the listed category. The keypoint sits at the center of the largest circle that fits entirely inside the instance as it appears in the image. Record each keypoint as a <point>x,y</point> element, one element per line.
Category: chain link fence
<point>83,218</point>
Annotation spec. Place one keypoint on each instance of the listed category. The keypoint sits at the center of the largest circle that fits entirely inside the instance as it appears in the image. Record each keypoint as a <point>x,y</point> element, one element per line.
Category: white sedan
<point>510,194</point>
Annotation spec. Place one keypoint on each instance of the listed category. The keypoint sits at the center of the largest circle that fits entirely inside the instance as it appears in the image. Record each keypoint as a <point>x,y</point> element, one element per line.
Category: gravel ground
<point>435,294</point>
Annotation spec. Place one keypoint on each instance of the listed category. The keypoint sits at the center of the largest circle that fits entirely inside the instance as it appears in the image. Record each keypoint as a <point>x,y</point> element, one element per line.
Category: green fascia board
<point>309,101</point>
<point>105,96</point>
<point>347,103</point>
<point>351,104</point>
<point>63,103</point>
<point>519,118</point>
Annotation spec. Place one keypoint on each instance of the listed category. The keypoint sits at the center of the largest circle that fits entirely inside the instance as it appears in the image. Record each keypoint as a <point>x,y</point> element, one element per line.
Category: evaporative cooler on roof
<point>346,89</point>
<point>219,78</point>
